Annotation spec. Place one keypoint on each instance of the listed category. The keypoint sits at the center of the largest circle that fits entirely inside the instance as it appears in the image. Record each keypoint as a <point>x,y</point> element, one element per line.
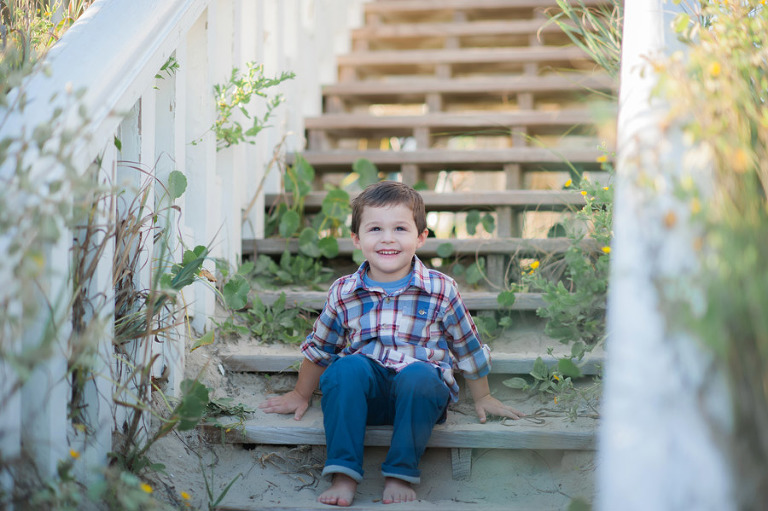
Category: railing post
<point>656,444</point>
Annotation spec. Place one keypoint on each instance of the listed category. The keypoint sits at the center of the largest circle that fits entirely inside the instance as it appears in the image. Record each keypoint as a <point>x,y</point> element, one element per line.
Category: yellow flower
<point>556,377</point>
<point>74,453</point>
<point>584,193</point>
<point>535,265</point>
<point>147,488</point>
<point>606,250</point>
<point>602,158</point>
<point>606,188</point>
<point>741,160</point>
<point>568,183</point>
<point>185,495</point>
<point>695,205</point>
<point>714,69</point>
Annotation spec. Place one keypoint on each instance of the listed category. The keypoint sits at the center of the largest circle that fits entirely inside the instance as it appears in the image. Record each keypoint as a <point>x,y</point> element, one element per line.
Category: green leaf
<point>516,383</point>
<point>289,223</point>
<point>235,292</point>
<point>568,368</point>
<point>489,223</point>
<point>205,340</point>
<point>329,247</point>
<point>336,205</point>
<point>367,172</point>
<point>473,218</point>
<point>445,250</point>
<point>177,184</point>
<point>540,371</point>
<point>420,186</point>
<point>681,22</point>
<point>308,243</point>
<point>474,273</point>
<point>506,298</point>
<point>118,144</point>
<point>193,405</point>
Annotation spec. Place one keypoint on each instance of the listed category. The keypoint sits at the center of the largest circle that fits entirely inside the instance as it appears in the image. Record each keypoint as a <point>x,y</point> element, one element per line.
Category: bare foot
<point>397,490</point>
<point>341,492</point>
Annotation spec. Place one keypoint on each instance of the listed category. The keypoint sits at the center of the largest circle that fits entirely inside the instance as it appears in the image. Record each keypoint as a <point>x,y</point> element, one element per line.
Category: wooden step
<point>462,56</point>
<point>459,431</point>
<point>257,358</point>
<point>520,247</point>
<point>453,29</point>
<point>411,91</point>
<point>475,300</point>
<point>539,200</point>
<point>435,159</point>
<point>396,10</point>
<point>362,125</point>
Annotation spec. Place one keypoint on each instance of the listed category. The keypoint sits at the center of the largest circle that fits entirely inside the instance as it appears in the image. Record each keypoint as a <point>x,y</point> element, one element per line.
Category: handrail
<point>122,42</point>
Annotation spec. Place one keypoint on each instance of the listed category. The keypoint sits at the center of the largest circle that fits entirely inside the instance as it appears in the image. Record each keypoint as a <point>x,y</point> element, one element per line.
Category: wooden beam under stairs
<point>436,159</point>
<point>475,300</point>
<point>539,200</point>
<point>520,247</point>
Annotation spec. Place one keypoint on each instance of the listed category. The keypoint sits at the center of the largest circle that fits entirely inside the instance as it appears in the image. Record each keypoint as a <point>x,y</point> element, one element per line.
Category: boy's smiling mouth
<point>388,252</point>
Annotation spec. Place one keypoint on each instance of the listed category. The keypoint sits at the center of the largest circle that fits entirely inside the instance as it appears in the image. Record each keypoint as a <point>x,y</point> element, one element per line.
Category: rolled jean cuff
<point>340,469</point>
<point>402,477</point>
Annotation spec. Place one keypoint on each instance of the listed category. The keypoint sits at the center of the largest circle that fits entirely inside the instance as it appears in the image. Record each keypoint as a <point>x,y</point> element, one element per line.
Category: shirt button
<point>389,300</point>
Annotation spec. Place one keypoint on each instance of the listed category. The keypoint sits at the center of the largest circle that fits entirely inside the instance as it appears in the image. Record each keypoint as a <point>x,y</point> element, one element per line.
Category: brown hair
<point>389,193</point>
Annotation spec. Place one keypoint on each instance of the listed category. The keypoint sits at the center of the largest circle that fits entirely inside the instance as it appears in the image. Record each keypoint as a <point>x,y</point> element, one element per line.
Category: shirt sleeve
<point>473,358</point>
<point>328,336</point>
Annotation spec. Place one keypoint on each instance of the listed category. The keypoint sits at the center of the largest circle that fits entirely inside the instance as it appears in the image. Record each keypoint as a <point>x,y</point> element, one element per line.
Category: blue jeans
<point>358,392</point>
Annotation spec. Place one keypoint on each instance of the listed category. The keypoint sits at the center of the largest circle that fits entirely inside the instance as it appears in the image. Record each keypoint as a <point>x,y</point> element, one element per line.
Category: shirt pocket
<point>417,321</point>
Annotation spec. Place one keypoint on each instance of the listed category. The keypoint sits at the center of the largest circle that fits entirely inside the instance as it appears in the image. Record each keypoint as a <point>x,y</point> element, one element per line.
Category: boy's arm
<point>297,400</point>
<point>485,403</point>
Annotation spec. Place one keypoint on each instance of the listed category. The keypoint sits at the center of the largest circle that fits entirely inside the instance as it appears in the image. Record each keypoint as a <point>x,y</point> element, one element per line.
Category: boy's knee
<point>352,368</point>
<point>422,379</point>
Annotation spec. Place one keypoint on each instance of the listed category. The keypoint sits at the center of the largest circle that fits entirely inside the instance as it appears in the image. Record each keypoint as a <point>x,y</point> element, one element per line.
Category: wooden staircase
<point>474,99</point>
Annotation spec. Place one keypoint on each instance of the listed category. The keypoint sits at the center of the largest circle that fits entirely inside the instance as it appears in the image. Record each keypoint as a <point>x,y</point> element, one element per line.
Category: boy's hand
<point>292,402</point>
<point>490,405</point>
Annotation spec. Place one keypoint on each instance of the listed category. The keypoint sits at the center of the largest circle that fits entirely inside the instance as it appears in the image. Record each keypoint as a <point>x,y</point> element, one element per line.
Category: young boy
<point>385,347</point>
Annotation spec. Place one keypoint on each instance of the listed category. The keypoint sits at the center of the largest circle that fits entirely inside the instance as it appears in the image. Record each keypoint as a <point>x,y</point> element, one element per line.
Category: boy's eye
<point>375,229</point>
<point>402,229</point>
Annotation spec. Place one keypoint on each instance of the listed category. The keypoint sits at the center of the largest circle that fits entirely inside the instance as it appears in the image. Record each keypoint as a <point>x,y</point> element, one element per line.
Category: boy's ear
<point>355,240</point>
<point>422,238</point>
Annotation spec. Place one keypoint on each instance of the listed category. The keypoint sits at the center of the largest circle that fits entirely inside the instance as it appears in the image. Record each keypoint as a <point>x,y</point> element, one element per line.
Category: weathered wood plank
<point>452,29</point>
<point>433,159</point>
<point>539,200</point>
<point>384,7</point>
<point>521,247</point>
<point>249,361</point>
<point>486,120</point>
<point>461,463</point>
<point>557,433</point>
<point>475,300</point>
<point>484,86</point>
<point>538,54</point>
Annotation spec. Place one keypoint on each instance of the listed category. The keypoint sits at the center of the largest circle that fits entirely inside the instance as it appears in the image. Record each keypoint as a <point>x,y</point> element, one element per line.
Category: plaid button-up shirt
<point>424,321</point>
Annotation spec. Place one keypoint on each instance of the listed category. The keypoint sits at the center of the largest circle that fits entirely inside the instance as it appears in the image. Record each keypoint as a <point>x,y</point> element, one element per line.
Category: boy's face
<point>389,239</point>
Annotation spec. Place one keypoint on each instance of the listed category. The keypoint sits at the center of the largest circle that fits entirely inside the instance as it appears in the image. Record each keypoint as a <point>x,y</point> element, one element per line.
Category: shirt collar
<point>420,277</point>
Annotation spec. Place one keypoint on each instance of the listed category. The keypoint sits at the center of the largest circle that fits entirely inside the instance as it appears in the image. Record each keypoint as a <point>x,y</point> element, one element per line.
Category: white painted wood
<point>95,443</point>
<point>200,158</point>
<point>658,446</point>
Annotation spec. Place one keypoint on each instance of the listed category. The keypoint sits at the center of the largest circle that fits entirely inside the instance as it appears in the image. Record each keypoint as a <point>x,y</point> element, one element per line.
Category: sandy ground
<point>273,477</point>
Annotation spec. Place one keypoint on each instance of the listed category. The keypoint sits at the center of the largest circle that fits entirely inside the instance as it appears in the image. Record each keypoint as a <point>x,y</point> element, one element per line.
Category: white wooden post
<point>45,394</point>
<point>200,159</point>
<point>656,446</point>
<point>98,390</point>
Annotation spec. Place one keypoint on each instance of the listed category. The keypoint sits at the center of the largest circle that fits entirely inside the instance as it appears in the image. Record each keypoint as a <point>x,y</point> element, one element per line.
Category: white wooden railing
<point>114,52</point>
